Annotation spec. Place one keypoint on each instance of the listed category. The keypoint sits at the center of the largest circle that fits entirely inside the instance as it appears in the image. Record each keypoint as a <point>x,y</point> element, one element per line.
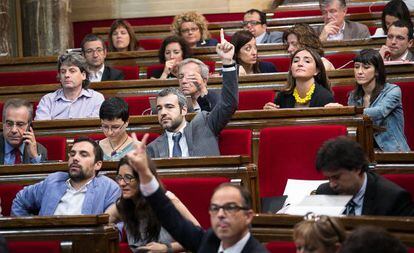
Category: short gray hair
<point>75,59</point>
<point>203,67</point>
<point>17,103</point>
<point>326,2</point>
<point>182,100</point>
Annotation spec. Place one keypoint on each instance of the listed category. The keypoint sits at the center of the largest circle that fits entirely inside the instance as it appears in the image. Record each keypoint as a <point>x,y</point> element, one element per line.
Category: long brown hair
<point>239,39</point>
<point>133,44</point>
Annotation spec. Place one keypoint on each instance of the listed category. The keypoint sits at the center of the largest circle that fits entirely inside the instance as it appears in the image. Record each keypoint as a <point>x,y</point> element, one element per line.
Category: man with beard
<point>79,191</point>
<point>343,163</point>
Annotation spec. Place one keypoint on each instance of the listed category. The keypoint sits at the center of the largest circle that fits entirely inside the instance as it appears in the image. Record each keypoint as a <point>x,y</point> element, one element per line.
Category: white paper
<point>297,189</point>
<point>332,205</point>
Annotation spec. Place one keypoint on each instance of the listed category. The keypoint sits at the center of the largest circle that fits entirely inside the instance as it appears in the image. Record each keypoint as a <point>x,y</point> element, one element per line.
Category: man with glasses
<point>398,43</point>
<point>230,212</point>
<point>255,22</point>
<point>81,190</point>
<point>18,142</point>
<point>94,51</point>
<point>74,99</point>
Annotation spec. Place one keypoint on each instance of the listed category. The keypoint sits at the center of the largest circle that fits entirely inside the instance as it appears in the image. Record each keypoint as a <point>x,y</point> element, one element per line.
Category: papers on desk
<point>297,189</point>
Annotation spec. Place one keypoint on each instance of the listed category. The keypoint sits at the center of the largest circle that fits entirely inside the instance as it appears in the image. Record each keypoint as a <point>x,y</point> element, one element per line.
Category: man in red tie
<point>18,143</point>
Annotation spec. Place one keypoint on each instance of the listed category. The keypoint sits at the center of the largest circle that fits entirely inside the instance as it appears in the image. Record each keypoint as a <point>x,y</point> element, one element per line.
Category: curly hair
<point>191,16</point>
<point>185,48</point>
<point>133,44</point>
<point>307,37</point>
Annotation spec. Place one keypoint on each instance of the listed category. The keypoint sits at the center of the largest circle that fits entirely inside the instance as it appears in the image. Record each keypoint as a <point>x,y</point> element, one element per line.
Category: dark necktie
<point>176,148</point>
<point>350,208</point>
<point>17,154</point>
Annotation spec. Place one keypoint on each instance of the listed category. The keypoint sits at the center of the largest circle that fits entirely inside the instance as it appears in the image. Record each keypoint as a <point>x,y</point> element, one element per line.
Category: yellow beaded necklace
<point>307,98</point>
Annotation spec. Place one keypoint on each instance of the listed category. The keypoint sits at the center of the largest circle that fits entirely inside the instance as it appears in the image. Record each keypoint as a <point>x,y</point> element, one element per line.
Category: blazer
<point>410,56</point>
<point>207,43</point>
<point>272,37</point>
<point>320,98</point>
<point>267,67</point>
<point>112,74</point>
<point>353,30</point>
<point>44,197</point>
<point>190,236</point>
<point>210,100</point>
<point>26,158</point>
<point>201,133</point>
<point>382,197</point>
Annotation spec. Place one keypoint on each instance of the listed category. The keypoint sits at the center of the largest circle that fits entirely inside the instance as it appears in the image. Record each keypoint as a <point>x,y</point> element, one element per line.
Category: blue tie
<point>176,148</point>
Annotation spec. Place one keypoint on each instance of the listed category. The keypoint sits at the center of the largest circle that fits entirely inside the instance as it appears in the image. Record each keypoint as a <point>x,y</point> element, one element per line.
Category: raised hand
<point>225,50</point>
<point>137,159</point>
<point>30,140</point>
<point>329,29</point>
<point>385,53</point>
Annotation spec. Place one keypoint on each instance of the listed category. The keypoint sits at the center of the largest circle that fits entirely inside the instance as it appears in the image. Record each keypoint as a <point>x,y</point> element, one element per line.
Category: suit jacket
<point>353,30</point>
<point>272,37</point>
<point>320,98</point>
<point>210,100</point>
<point>190,236</point>
<point>26,158</point>
<point>382,197</point>
<point>201,133</point>
<point>267,67</point>
<point>410,56</point>
<point>112,74</point>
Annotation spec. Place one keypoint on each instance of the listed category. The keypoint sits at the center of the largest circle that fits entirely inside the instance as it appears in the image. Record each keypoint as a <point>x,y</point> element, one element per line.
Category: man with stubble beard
<point>79,191</point>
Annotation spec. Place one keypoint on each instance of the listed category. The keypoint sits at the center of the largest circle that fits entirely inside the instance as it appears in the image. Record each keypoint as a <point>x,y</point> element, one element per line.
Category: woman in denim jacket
<point>382,101</point>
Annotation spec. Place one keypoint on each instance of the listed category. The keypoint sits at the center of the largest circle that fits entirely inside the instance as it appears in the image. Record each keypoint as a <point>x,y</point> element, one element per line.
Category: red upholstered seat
<point>28,78</point>
<point>341,93</point>
<point>407,89</point>
<point>124,248</point>
<point>150,70</point>
<point>255,99</point>
<point>235,142</point>
<point>282,64</point>
<point>341,60</point>
<point>372,29</point>
<point>405,181</point>
<point>195,193</point>
<point>7,194</point>
<point>34,246</point>
<point>150,44</point>
<point>55,145</point>
<point>138,105</point>
<point>281,247</point>
<point>289,152</point>
<point>130,72</point>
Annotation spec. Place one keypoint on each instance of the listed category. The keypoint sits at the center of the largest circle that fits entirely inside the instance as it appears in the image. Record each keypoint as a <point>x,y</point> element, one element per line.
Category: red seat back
<point>255,99</point>
<point>7,194</point>
<point>28,78</point>
<point>195,193</point>
<point>130,72</point>
<point>150,44</point>
<point>341,60</point>
<point>34,246</point>
<point>405,181</point>
<point>341,93</point>
<point>282,63</point>
<point>138,105</point>
<point>281,247</point>
<point>290,152</point>
<point>235,142</point>
<point>407,89</point>
<point>55,145</point>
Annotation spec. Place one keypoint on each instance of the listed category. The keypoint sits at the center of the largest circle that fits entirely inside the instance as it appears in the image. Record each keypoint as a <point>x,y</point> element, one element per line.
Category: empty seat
<point>341,93</point>
<point>282,64</point>
<point>405,181</point>
<point>235,142</point>
<point>28,78</point>
<point>55,145</point>
<point>281,247</point>
<point>34,246</point>
<point>138,105</point>
<point>341,60</point>
<point>130,72</point>
<point>407,89</point>
<point>255,99</point>
<point>150,44</point>
<point>8,192</point>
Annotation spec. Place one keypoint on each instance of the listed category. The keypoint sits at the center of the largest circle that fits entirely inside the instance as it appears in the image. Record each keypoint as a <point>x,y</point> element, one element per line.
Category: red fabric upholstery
<point>341,59</point>
<point>130,72</point>
<point>150,44</point>
<point>281,247</point>
<point>28,78</point>
<point>255,99</point>
<point>341,93</point>
<point>298,13</point>
<point>150,70</point>
<point>124,248</point>
<point>405,181</point>
<point>289,152</point>
<point>7,194</point>
<point>195,193</point>
<point>282,64</point>
<point>372,29</point>
<point>407,89</point>
<point>410,250</point>
<point>55,145</point>
<point>138,105</point>
<point>34,246</point>
<point>235,142</point>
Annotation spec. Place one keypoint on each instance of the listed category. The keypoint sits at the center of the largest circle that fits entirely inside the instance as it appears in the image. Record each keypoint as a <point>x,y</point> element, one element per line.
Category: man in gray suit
<point>398,43</point>
<point>336,27</point>
<point>198,137</point>
<point>255,21</point>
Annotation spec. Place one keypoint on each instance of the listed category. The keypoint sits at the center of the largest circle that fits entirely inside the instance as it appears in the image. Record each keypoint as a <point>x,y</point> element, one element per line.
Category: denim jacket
<point>386,111</point>
<point>44,197</point>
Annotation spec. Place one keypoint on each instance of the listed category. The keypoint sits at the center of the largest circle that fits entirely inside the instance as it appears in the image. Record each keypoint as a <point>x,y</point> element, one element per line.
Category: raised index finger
<point>222,39</point>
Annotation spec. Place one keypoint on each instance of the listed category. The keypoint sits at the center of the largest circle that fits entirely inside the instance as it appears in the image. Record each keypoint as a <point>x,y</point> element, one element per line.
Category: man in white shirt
<point>398,43</point>
<point>94,51</point>
<point>255,22</point>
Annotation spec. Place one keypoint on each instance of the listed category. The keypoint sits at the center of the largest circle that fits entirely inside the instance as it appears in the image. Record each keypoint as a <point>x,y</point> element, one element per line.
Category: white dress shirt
<point>183,142</point>
<point>236,248</point>
<point>359,197</point>
<point>96,76</point>
<point>71,203</point>
<point>260,38</point>
<point>339,35</point>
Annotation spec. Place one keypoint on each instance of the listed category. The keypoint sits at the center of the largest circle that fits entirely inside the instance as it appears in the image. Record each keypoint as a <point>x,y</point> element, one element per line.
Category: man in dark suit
<point>255,22</point>
<point>398,43</point>
<point>18,142</point>
<point>343,162</point>
<point>230,213</point>
<point>94,51</point>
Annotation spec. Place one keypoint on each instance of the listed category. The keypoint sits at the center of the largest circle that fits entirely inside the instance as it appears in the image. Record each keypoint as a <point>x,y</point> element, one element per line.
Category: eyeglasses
<point>251,22</point>
<point>229,208</point>
<point>192,29</point>
<point>106,128</point>
<point>127,178</point>
<point>91,51</point>
<point>10,124</point>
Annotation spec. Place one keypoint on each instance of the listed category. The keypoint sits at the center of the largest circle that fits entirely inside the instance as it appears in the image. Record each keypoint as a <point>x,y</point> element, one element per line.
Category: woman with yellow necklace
<point>308,84</point>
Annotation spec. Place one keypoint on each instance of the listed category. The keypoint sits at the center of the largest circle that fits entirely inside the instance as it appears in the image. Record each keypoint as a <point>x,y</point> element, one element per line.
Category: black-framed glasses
<point>106,128</point>
<point>127,178</point>
<point>91,51</point>
<point>251,22</point>
<point>230,208</point>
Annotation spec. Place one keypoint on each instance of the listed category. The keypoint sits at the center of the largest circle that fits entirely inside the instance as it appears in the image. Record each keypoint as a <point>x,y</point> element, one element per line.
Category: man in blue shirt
<point>18,143</point>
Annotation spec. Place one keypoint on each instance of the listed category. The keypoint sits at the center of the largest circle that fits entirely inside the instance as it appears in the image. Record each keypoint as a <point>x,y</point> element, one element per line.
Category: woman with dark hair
<point>308,84</point>
<point>143,230</point>
<point>122,37</point>
<point>318,234</point>
<point>173,50</point>
<point>245,55</point>
<point>114,114</point>
<point>302,35</point>
<point>394,10</point>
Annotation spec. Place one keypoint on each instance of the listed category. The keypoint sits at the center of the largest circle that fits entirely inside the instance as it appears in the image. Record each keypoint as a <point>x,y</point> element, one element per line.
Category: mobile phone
<point>30,125</point>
